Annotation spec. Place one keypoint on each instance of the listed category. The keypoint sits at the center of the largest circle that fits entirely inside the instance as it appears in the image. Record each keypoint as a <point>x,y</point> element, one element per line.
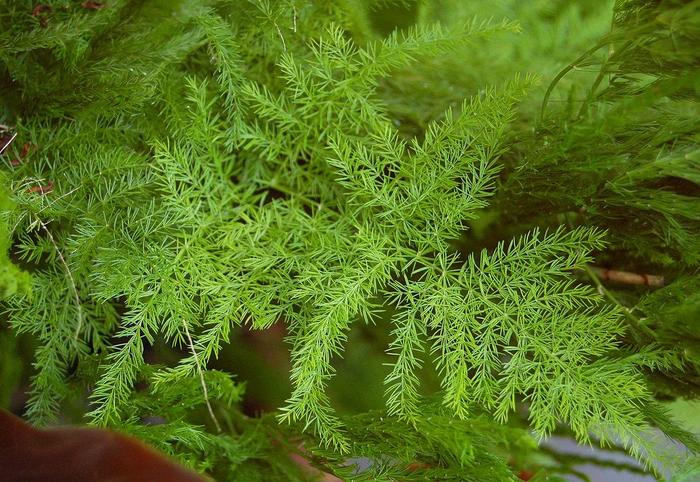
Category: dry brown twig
<point>626,277</point>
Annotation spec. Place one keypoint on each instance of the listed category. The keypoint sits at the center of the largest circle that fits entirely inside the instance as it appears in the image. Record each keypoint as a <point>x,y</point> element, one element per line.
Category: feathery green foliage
<point>189,173</point>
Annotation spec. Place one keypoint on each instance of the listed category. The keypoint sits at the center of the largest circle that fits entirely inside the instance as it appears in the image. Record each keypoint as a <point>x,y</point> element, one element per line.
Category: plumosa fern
<point>197,168</point>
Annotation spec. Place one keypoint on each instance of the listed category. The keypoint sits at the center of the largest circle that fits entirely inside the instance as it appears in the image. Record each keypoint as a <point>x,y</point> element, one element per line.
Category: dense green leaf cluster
<point>187,170</point>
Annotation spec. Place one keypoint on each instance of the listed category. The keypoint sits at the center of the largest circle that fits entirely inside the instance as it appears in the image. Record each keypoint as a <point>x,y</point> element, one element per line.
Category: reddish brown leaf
<point>28,146</point>
<point>45,189</point>
<point>525,474</point>
<point>23,153</point>
<point>40,8</point>
<point>93,5</point>
<point>6,139</point>
<point>72,454</point>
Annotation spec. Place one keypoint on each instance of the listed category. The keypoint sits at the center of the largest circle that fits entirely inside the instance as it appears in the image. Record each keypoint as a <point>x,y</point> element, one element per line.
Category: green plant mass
<point>382,241</point>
